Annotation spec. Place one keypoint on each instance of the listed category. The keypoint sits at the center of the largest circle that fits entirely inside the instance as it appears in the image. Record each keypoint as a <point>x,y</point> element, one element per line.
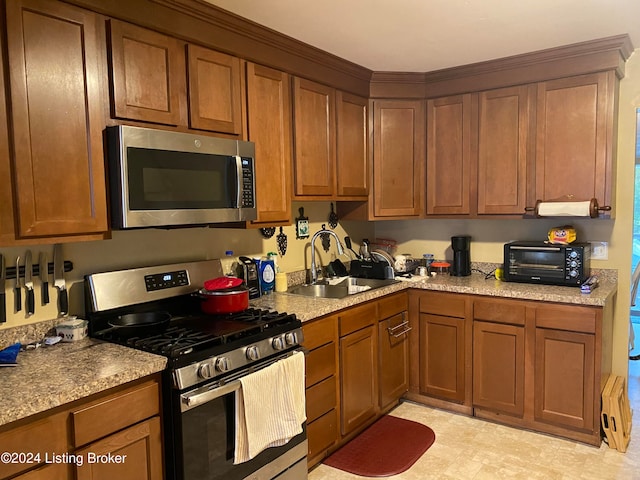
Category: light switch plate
<point>599,250</point>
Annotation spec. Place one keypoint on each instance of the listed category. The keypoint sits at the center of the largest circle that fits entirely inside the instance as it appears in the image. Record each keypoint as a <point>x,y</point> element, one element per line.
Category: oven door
<point>207,432</point>
<point>544,263</point>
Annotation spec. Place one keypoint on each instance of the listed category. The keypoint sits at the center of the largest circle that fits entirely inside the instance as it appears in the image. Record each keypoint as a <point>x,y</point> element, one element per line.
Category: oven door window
<point>548,263</point>
<point>163,180</point>
<point>208,439</point>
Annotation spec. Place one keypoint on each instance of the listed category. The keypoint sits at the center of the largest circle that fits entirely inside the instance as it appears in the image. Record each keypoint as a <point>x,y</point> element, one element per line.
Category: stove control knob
<point>204,371</point>
<point>278,343</point>
<point>253,353</point>
<point>291,338</point>
<point>222,364</point>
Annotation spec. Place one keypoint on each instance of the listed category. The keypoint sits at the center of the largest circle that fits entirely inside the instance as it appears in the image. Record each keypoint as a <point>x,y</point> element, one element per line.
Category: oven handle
<point>197,398</point>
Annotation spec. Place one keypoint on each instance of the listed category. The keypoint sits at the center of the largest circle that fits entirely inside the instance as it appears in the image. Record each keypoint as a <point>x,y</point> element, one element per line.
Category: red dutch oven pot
<point>224,295</point>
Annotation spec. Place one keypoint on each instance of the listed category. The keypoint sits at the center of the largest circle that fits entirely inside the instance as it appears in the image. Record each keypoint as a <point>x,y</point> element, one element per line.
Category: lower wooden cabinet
<point>113,434</point>
<point>393,367</point>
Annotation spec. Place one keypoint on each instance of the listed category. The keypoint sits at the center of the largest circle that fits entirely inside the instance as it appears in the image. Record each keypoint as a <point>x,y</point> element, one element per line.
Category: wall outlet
<point>599,250</point>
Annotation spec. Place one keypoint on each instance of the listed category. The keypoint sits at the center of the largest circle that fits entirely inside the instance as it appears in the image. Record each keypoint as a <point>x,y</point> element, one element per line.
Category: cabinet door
<point>215,91</point>
<point>398,158</point>
<point>565,379</point>
<point>498,367</point>
<point>7,227</point>
<point>140,447</point>
<point>358,375</point>
<point>57,118</point>
<point>393,348</point>
<point>449,155</point>
<point>574,139</point>
<point>269,118</point>
<point>48,472</point>
<point>148,77</point>
<point>504,150</point>
<point>352,160</point>
<point>314,139</point>
<point>442,357</point>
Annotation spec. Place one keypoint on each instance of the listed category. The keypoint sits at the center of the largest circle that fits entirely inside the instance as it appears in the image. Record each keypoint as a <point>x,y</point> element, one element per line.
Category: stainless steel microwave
<point>546,263</point>
<point>161,178</point>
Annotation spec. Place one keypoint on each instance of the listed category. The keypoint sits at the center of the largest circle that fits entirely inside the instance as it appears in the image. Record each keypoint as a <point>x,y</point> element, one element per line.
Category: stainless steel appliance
<point>546,263</point>
<point>207,357</point>
<point>161,178</point>
<point>248,271</point>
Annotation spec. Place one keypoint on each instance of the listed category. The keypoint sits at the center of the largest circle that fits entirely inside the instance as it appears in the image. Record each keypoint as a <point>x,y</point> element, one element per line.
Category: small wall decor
<point>302,225</point>
<point>333,218</point>
<point>268,232</point>
<point>281,240</point>
<point>326,239</point>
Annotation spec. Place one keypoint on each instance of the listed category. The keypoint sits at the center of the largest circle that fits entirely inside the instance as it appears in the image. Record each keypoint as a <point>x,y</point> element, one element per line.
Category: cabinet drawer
<point>499,311</point>
<point>320,332</point>
<point>321,398</point>
<point>320,364</point>
<point>45,436</point>
<point>356,318</point>
<point>574,319</point>
<point>449,304</point>
<point>392,305</point>
<point>322,433</point>
<point>115,412</point>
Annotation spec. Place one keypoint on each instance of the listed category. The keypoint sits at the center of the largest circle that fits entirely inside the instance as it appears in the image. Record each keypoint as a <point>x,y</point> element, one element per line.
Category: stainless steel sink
<point>348,286</point>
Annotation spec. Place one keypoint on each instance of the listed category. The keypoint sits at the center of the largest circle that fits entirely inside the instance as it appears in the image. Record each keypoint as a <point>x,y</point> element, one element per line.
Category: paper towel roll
<point>564,209</point>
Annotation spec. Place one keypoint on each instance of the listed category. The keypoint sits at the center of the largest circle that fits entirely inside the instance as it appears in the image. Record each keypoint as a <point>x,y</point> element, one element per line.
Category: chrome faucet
<point>314,273</point>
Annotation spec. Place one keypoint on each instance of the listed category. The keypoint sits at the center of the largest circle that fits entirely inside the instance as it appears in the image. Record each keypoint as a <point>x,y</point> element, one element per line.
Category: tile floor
<point>472,449</point>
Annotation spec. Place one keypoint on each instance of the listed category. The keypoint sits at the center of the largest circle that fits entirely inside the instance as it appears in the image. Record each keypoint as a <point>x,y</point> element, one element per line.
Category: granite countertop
<point>309,308</point>
<point>48,377</point>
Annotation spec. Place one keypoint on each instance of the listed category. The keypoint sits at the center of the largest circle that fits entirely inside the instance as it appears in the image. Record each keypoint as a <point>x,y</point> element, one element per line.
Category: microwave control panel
<point>248,195</point>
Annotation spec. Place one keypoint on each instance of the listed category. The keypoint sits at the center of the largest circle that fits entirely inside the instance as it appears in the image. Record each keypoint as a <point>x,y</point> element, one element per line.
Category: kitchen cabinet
<point>269,127</point>
<point>479,152</point>
<point>121,421</point>
<point>322,386</point>
<point>575,137</point>
<point>443,345</point>
<point>398,158</point>
<point>149,72</point>
<point>449,156</point>
<point>567,377</point>
<point>498,356</point>
<point>148,75</point>
<point>330,138</point>
<point>58,187</point>
<point>393,349</point>
<point>358,366</point>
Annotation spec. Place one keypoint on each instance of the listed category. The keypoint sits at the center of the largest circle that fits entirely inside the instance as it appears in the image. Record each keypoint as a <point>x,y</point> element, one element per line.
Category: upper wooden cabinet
<point>57,122</point>
<point>215,91</point>
<point>330,139</point>
<point>398,158</point>
<point>479,152</point>
<point>269,127</point>
<point>148,76</point>
<point>575,137</point>
<point>149,81</point>
<point>449,157</point>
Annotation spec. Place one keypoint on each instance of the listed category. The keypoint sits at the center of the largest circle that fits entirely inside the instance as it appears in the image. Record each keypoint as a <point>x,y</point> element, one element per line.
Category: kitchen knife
<point>28,283</point>
<point>17,291</point>
<point>3,298</point>
<point>58,280</point>
<point>43,263</point>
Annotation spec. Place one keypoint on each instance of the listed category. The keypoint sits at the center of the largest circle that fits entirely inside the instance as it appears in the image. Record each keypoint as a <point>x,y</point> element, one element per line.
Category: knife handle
<point>45,293</point>
<point>3,308</point>
<point>64,301</point>
<point>18,294</point>
<point>31,302</point>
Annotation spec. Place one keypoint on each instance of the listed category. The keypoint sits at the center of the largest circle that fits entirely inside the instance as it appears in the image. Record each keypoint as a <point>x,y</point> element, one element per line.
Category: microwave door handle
<point>240,181</point>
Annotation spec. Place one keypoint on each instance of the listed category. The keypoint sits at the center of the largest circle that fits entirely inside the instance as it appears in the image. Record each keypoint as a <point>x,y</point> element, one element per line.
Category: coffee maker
<point>461,266</point>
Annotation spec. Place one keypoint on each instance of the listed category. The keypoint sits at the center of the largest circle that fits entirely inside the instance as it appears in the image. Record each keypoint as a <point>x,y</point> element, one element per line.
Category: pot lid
<point>222,283</point>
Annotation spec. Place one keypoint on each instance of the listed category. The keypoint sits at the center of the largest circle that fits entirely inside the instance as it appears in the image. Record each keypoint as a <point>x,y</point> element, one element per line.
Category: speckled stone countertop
<point>308,308</point>
<point>48,377</point>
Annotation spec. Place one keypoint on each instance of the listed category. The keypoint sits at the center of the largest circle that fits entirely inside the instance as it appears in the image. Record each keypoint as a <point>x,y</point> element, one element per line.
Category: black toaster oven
<point>547,263</point>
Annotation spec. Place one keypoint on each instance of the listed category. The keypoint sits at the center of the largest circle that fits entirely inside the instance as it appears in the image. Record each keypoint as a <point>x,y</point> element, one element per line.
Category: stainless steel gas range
<point>208,357</point>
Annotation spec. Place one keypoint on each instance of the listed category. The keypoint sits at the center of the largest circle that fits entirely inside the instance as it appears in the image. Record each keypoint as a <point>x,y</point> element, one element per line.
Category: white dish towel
<point>270,407</point>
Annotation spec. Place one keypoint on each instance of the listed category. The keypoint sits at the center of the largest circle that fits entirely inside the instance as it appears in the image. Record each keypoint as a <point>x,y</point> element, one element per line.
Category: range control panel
<point>160,281</point>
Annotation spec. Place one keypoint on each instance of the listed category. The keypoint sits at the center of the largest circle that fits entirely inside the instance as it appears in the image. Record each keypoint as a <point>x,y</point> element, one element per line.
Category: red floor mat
<point>388,447</point>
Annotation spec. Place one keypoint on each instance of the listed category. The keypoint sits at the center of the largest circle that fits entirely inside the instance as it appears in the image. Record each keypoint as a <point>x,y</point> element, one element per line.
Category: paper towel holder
<point>594,208</point>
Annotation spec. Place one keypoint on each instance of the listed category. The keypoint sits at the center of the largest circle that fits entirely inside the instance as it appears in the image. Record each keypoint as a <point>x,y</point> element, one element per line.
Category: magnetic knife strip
<point>10,272</point>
